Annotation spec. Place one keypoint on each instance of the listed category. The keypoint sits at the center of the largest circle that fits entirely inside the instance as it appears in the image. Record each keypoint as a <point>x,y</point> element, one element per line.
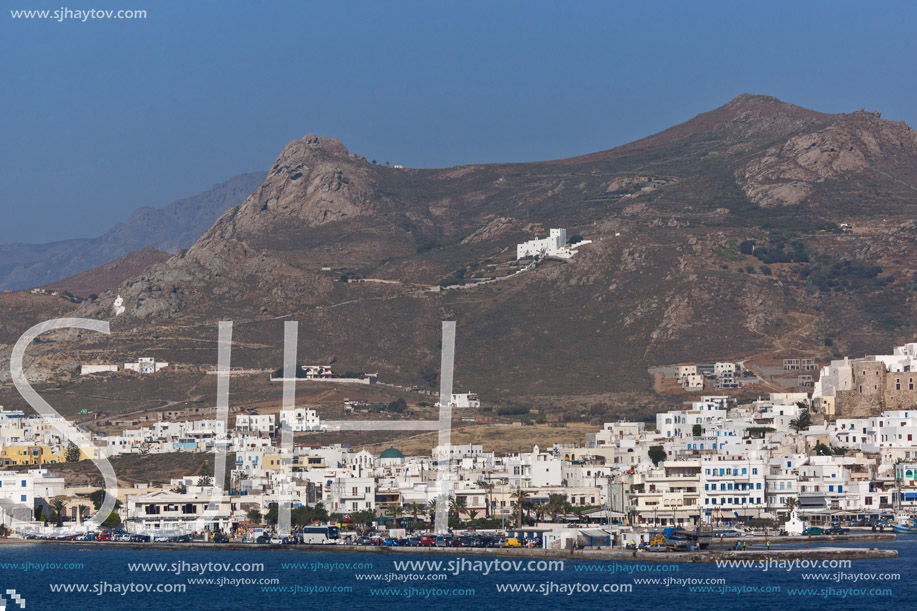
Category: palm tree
<point>415,508</point>
<point>522,498</point>
<point>57,507</point>
<point>791,503</point>
<point>488,489</point>
<point>431,509</point>
<point>458,505</point>
<point>555,505</point>
<point>396,510</point>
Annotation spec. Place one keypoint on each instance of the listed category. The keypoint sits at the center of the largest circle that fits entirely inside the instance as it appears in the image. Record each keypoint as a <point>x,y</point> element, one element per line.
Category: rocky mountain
<point>719,238</point>
<point>168,229</point>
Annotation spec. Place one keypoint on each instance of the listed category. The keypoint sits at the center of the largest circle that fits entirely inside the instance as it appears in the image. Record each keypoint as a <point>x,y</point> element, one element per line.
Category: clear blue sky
<point>102,117</point>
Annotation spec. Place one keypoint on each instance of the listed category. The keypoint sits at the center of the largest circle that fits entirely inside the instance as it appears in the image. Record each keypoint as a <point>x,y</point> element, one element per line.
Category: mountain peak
<point>755,98</point>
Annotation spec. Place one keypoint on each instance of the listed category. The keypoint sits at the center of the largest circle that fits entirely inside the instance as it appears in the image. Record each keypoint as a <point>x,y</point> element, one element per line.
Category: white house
<point>255,423</point>
<point>692,382</point>
<point>145,365</point>
<point>300,420</point>
<point>17,489</point>
<point>169,512</point>
<point>466,400</point>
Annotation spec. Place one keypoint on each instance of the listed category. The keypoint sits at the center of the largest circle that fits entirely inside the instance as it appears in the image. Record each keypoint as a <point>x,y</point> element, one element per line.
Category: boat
<point>685,540</point>
<point>905,524</point>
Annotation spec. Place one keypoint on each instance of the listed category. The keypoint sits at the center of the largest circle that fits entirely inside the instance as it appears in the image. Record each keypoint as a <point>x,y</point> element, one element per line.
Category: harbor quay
<point>754,551</point>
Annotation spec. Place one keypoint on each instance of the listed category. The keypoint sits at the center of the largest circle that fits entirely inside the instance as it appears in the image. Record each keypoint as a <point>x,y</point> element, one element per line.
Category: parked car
<point>427,540</point>
<point>276,540</point>
<point>412,541</point>
<point>139,539</point>
<point>814,530</point>
<point>220,538</point>
<point>837,530</point>
<point>728,534</point>
<point>443,541</point>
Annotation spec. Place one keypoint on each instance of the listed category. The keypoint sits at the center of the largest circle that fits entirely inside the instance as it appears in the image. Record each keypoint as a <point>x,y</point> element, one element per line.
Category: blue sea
<point>51,576</point>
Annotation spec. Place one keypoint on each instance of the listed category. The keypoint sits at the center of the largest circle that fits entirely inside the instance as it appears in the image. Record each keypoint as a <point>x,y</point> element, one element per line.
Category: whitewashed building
<point>145,365</point>
<point>255,423</point>
<point>300,420</point>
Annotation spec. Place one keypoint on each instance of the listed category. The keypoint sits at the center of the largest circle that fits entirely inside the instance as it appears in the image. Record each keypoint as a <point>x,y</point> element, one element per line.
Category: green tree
<point>97,497</point>
<point>271,516</point>
<point>522,499</point>
<point>57,511</point>
<point>457,506</point>
<point>398,406</point>
<point>363,518</point>
<point>302,516</point>
<point>73,453</point>
<point>803,421</point>
<point>555,505</point>
<point>415,508</point>
<point>112,521</point>
<point>657,454</point>
<point>204,481</point>
<point>254,516</point>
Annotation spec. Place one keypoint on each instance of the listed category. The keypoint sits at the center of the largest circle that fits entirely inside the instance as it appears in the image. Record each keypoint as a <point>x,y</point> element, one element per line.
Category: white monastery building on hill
<point>555,245</point>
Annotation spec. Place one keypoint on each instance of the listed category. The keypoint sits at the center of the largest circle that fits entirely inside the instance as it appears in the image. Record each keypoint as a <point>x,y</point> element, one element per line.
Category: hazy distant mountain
<point>109,275</point>
<point>167,229</point>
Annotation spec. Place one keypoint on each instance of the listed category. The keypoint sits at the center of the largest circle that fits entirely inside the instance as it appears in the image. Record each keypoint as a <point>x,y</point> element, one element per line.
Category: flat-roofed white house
<point>300,420</point>
<point>145,365</point>
<point>167,512</point>
<point>255,423</point>
<point>466,400</point>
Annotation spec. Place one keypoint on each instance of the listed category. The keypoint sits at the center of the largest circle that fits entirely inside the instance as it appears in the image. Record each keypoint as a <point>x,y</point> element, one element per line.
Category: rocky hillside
<point>718,238</point>
<point>168,229</point>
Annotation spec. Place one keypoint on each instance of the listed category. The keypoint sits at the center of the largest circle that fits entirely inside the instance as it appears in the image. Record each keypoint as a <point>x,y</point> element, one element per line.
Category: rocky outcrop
<point>786,174</point>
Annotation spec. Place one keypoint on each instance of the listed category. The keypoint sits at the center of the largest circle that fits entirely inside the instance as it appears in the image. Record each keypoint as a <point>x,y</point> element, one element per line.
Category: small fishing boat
<point>905,524</point>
